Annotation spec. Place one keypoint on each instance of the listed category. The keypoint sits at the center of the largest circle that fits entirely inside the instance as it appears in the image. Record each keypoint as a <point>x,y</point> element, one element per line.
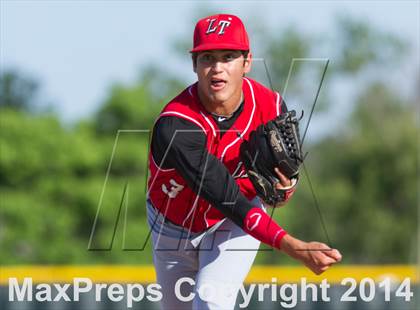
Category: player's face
<point>220,74</point>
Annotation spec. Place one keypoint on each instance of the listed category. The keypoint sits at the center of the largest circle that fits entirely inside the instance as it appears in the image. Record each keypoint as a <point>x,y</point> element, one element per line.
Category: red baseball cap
<point>220,32</point>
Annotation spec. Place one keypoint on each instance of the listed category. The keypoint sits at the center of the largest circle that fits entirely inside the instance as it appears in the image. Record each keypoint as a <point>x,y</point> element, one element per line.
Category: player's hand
<point>285,182</point>
<point>317,256</point>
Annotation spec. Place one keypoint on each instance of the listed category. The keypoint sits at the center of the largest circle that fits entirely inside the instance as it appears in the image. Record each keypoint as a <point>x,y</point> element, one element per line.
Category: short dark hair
<point>194,56</point>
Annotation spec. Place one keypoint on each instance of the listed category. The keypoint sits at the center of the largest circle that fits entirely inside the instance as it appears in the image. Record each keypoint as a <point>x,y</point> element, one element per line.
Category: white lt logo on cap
<point>222,24</point>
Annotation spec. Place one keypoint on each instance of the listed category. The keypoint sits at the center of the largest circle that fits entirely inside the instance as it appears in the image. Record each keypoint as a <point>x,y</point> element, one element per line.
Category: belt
<point>165,219</point>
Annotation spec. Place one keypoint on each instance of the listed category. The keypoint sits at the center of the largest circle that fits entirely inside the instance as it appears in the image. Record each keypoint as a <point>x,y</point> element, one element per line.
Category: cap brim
<point>219,46</point>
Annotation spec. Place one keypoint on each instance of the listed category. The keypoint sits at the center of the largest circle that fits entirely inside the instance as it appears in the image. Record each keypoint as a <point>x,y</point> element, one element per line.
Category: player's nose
<point>217,66</point>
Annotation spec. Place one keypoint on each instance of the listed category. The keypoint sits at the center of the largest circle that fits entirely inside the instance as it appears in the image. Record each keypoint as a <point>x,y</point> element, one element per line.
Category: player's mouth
<point>217,84</point>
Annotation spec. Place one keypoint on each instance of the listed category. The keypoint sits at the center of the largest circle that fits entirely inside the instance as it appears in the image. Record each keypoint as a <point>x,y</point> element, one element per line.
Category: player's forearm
<point>259,225</point>
<point>293,247</point>
<point>263,228</point>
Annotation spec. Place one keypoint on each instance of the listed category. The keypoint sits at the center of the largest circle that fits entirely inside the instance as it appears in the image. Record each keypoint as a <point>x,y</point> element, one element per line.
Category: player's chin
<point>219,96</point>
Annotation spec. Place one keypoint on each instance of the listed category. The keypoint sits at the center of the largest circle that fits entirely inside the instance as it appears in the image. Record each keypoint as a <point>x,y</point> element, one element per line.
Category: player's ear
<point>248,63</point>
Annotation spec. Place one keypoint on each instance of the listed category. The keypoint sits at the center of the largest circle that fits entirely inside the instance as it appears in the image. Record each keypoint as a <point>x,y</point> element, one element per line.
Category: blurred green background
<point>363,167</point>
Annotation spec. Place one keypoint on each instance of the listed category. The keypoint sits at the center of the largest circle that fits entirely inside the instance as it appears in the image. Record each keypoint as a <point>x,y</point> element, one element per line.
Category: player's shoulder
<point>260,89</point>
<point>269,102</point>
<point>184,102</point>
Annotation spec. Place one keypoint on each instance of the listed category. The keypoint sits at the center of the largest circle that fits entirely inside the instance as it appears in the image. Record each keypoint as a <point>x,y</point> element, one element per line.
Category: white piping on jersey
<point>157,174</point>
<point>182,116</point>
<point>249,122</point>
<point>185,116</point>
<point>192,209</point>
<point>205,215</point>
<point>159,168</point>
<point>278,104</point>
<point>208,121</point>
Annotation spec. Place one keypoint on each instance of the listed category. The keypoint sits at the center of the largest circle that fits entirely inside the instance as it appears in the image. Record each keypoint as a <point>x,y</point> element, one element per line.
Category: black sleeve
<point>180,144</point>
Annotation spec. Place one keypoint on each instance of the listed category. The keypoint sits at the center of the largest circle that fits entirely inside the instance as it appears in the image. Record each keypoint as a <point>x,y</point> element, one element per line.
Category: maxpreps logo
<point>56,292</point>
<point>222,25</point>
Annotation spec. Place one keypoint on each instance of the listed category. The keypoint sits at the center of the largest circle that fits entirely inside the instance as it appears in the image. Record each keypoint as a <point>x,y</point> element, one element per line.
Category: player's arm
<point>315,255</point>
<point>188,154</point>
<point>205,174</point>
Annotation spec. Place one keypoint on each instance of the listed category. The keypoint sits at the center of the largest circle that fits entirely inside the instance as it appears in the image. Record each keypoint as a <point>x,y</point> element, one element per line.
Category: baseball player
<point>206,219</point>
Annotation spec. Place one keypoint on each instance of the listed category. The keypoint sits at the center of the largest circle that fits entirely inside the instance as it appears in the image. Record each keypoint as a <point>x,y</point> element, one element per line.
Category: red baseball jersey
<point>169,192</point>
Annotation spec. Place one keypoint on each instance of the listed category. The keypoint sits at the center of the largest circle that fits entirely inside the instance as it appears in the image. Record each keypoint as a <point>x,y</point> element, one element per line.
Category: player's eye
<point>229,57</point>
<point>206,58</point>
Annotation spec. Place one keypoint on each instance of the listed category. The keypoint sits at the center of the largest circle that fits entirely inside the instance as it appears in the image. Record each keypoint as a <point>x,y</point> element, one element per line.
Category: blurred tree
<point>17,91</point>
<point>51,180</point>
<point>136,106</point>
<point>370,185</point>
<point>126,108</point>
<point>359,46</point>
<point>283,48</point>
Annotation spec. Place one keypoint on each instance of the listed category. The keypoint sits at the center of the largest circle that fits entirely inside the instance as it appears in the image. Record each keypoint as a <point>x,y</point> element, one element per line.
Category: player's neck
<point>222,108</point>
